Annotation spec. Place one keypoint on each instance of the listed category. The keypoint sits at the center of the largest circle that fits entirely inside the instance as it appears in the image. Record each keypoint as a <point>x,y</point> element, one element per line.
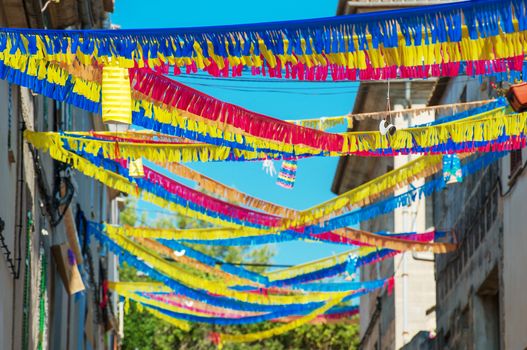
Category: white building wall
<point>414,284</point>
<point>514,252</point>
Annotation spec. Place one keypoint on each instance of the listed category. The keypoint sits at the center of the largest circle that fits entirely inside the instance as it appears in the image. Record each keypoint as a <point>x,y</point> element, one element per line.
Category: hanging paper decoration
<point>352,266</point>
<point>472,37</point>
<point>268,167</point>
<point>452,171</point>
<point>286,177</point>
<point>116,98</point>
<point>135,168</point>
<point>204,119</point>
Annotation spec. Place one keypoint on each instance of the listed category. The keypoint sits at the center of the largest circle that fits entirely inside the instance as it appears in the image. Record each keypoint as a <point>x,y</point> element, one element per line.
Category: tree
<point>144,331</point>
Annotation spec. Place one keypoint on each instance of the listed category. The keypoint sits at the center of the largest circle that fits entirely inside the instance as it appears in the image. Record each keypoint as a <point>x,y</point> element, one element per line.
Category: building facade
<point>40,199</point>
<point>479,287</point>
<point>389,321</point>
<point>471,298</point>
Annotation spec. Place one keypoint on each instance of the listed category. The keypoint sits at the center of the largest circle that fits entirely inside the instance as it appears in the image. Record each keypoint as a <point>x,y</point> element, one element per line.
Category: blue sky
<point>280,99</point>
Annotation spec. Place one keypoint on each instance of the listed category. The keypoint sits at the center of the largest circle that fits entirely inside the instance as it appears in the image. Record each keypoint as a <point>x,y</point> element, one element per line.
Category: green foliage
<point>143,331</point>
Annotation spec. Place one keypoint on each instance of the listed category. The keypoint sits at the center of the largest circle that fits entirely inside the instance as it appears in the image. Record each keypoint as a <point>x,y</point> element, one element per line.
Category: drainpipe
<point>404,273</point>
<point>404,276</point>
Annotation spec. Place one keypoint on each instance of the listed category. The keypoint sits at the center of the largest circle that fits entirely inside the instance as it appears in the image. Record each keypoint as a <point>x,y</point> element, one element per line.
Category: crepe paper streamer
<point>283,148</point>
<point>177,287</point>
<point>396,243</point>
<point>352,144</point>
<point>320,266</point>
<point>210,261</point>
<point>183,325</point>
<point>340,286</point>
<point>381,179</point>
<point>231,194</point>
<point>364,214</point>
<point>116,97</point>
<point>197,308</point>
<point>170,309</point>
<point>286,177</point>
<point>390,204</point>
<point>408,43</point>
<point>262,126</point>
<point>320,231</point>
<point>191,265</point>
<point>452,171</point>
<point>186,99</point>
<point>194,294</point>
<point>240,236</point>
<point>221,339</point>
<point>363,194</point>
<point>327,317</point>
<point>160,294</point>
<point>204,315</point>
<point>336,313</point>
<point>126,185</point>
<point>469,135</point>
<point>215,288</point>
<point>141,181</point>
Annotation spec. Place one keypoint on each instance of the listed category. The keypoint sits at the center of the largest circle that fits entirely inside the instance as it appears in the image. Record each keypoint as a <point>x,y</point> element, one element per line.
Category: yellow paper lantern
<point>135,168</point>
<point>116,96</point>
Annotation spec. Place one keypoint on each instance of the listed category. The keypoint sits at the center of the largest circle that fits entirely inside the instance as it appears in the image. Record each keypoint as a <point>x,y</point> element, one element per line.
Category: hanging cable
<point>6,251</point>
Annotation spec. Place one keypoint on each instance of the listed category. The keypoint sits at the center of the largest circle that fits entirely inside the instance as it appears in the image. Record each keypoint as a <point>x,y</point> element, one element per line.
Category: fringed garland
<point>198,212</point>
<point>231,194</point>
<point>189,292</point>
<point>354,144</point>
<point>328,317</point>
<point>215,288</point>
<point>390,204</point>
<point>408,43</point>
<point>163,304</point>
<point>177,303</point>
<point>477,134</point>
<point>220,338</point>
<point>230,237</point>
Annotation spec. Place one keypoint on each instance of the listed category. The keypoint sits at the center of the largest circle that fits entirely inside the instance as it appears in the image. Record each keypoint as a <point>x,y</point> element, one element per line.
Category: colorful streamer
<point>442,40</point>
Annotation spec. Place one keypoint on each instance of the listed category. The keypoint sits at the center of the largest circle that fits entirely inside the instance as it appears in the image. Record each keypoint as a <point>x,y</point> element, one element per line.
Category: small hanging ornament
<point>452,171</point>
<point>287,176</point>
<point>386,126</point>
<point>116,98</point>
<point>268,167</point>
<point>179,253</point>
<point>351,267</point>
<point>135,168</point>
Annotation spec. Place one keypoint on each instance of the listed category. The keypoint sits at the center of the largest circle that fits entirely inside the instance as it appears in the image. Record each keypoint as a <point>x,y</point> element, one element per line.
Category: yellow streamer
<point>214,287</point>
<point>242,338</point>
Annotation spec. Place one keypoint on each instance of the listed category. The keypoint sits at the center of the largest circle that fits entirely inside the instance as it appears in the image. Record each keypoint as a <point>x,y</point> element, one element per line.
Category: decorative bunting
<point>476,37</point>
